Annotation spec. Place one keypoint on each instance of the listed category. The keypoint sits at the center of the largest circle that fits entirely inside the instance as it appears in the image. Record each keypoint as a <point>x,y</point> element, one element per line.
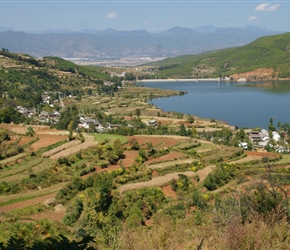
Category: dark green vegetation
<point>271,52</point>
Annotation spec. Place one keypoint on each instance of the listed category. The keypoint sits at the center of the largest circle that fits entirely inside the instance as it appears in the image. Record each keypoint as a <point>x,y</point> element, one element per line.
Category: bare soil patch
<point>45,140</point>
<point>168,192</point>
<point>46,135</point>
<point>257,74</point>
<point>255,153</point>
<point>25,139</point>
<point>129,159</point>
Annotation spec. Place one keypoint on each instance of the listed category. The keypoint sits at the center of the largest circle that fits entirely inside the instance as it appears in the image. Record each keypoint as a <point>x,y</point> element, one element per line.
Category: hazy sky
<point>153,16</point>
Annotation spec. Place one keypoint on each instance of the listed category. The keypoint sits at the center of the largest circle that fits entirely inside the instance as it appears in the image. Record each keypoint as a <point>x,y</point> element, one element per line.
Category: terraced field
<point>180,155</point>
<point>163,180</point>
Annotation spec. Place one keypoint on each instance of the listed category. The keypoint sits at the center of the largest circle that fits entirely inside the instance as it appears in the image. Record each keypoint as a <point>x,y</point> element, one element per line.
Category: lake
<point>246,104</point>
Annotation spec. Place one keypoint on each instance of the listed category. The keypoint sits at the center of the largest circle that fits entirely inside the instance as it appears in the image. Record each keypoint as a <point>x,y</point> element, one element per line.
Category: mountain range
<point>113,44</point>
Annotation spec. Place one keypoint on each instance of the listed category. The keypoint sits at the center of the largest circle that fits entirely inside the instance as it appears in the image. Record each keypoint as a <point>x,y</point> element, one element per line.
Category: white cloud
<point>111,15</point>
<point>253,19</point>
<point>267,7</point>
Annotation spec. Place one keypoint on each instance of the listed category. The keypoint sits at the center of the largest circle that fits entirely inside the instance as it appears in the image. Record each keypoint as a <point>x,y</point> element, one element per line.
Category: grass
<point>285,160</point>
<point>19,168</point>
<point>25,211</point>
<point>110,138</point>
<point>206,146</point>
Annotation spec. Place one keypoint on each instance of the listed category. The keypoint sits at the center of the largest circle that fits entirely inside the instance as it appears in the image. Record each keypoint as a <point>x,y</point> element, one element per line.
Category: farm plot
<point>73,149</point>
<point>46,140</point>
<point>129,159</point>
<point>25,140</point>
<point>168,157</point>
<point>158,142</point>
<point>163,180</point>
<point>169,164</point>
<point>255,156</point>
<point>61,148</point>
<point>12,159</point>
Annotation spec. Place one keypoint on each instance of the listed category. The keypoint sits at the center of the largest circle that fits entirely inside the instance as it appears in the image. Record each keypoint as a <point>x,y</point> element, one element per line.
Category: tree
<point>190,119</point>
<point>30,132</point>
<point>241,134</point>
<point>182,130</point>
<point>135,144</point>
<point>138,112</point>
<point>193,132</point>
<point>271,127</point>
<point>130,77</point>
<point>68,118</point>
<point>118,148</point>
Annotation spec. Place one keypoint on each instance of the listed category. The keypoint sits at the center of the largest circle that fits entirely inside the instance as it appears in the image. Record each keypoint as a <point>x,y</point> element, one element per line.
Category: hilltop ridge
<point>266,58</point>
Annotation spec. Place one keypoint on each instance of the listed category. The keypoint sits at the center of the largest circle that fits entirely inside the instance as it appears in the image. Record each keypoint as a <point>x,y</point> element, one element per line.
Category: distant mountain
<point>3,29</point>
<point>113,32</point>
<point>206,29</point>
<point>179,31</point>
<point>113,44</point>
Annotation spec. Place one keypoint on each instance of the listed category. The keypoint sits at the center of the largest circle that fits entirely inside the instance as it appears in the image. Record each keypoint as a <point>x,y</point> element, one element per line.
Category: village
<point>255,139</point>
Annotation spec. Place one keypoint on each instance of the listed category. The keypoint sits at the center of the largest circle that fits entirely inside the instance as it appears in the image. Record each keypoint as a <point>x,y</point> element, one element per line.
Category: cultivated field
<point>163,180</point>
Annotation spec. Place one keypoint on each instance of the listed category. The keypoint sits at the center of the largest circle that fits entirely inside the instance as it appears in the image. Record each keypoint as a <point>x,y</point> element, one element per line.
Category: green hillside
<point>266,52</point>
<point>24,78</point>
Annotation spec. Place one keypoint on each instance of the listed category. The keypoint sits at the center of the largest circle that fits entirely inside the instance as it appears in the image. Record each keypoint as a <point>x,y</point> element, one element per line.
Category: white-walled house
<point>276,136</point>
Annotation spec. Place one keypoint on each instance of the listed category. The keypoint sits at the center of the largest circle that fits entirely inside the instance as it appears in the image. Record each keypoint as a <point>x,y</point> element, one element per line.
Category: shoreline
<point>181,80</point>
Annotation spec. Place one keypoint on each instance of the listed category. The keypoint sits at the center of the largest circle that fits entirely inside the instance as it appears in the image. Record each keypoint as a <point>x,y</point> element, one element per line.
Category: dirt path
<point>162,180</point>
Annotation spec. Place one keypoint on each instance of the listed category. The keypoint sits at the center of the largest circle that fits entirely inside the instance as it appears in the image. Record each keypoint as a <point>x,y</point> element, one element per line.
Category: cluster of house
<point>43,116</point>
<point>29,112</point>
<point>46,117</point>
<point>261,139</point>
<point>88,122</point>
<point>46,99</point>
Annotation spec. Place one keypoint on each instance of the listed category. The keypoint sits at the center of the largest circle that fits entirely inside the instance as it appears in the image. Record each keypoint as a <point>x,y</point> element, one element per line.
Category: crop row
<point>60,148</point>
<point>73,149</point>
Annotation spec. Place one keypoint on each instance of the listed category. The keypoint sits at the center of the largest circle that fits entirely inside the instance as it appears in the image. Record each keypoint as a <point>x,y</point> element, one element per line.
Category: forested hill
<point>265,58</point>
<point>24,78</point>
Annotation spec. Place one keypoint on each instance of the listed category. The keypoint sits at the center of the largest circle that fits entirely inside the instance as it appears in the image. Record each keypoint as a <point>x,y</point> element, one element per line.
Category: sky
<point>153,16</point>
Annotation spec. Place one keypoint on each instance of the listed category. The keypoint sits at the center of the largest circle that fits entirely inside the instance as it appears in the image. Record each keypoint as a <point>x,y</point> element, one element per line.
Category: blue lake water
<point>249,104</point>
